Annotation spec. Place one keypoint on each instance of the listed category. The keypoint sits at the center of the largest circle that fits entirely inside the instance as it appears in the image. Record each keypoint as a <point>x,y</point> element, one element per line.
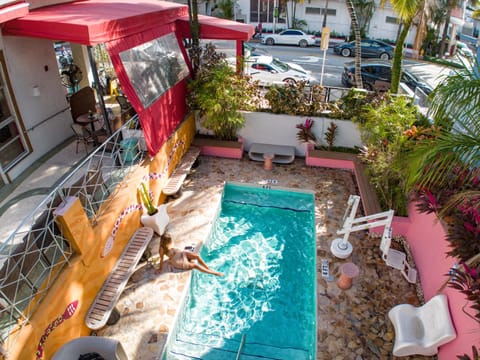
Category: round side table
<point>268,161</point>
<point>347,272</point>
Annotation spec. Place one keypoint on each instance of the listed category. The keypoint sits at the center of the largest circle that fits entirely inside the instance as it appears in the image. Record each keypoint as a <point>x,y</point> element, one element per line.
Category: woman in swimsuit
<point>182,259</point>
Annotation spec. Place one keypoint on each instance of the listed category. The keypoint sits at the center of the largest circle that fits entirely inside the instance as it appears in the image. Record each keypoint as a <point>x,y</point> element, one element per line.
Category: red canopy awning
<point>123,24</point>
<point>216,28</point>
<point>91,22</point>
<point>13,10</point>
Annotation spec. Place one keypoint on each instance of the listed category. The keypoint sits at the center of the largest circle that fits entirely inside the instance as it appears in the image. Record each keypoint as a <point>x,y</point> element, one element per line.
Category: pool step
<point>186,349</point>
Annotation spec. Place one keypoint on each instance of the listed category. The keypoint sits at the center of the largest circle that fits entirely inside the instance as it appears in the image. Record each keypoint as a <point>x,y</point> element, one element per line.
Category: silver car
<point>271,71</point>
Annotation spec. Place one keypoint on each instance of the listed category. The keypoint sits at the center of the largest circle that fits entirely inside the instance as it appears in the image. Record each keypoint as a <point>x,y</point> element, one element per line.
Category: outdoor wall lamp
<point>36,90</point>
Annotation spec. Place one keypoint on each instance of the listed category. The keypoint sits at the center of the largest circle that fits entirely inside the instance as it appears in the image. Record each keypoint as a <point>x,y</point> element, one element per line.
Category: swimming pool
<point>264,241</point>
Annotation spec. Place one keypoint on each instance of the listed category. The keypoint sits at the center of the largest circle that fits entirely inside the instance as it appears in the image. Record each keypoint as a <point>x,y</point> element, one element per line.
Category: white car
<point>464,49</point>
<point>289,37</point>
<point>271,71</point>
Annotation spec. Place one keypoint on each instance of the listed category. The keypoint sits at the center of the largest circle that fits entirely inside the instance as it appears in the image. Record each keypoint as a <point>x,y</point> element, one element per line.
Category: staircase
<point>187,347</point>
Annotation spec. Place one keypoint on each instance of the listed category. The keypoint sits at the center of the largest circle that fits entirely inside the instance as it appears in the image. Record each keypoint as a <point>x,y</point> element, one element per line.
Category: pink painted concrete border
<point>426,238</point>
<point>216,149</point>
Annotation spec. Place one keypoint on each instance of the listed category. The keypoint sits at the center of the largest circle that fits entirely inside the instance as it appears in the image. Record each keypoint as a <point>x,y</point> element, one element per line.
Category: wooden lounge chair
<point>104,304</point>
<point>174,183</point>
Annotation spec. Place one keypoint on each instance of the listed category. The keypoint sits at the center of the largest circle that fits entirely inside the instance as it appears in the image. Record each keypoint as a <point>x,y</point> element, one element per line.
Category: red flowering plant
<point>305,134</point>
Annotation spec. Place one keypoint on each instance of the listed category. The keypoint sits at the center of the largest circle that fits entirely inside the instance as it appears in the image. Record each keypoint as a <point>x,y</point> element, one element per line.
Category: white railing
<point>33,256</point>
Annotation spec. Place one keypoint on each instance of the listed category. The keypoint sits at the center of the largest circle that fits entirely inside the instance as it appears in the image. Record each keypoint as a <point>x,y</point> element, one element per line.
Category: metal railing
<point>34,255</point>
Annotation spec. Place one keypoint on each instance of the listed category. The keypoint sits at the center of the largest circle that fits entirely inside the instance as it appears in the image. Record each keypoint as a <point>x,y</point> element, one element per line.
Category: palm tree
<point>455,105</point>
<point>364,10</point>
<point>451,4</point>
<point>358,40</point>
<point>195,50</point>
<point>406,11</point>
<point>227,9</point>
<point>456,102</point>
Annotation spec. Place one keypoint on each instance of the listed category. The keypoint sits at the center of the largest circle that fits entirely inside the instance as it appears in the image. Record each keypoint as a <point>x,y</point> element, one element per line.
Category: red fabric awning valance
<point>91,22</point>
<point>216,28</point>
<point>13,10</point>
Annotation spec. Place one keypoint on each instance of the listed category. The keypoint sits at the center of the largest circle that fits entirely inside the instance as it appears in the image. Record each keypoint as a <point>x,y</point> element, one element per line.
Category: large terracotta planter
<point>220,148</point>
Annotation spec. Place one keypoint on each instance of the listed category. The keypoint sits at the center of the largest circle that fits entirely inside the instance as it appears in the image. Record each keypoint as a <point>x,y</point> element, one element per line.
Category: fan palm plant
<point>453,159</point>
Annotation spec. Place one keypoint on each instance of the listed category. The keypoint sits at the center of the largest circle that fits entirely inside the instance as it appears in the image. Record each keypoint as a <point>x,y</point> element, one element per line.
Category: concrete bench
<point>175,181</point>
<point>104,303</point>
<point>282,154</point>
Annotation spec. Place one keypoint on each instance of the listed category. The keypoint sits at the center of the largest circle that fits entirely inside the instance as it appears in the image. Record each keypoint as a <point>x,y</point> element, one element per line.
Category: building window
<point>312,11</point>
<point>391,20</point>
<point>320,11</point>
<point>262,11</point>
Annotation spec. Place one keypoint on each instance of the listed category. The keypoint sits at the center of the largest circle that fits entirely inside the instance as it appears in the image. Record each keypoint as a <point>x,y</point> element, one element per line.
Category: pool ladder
<point>240,348</point>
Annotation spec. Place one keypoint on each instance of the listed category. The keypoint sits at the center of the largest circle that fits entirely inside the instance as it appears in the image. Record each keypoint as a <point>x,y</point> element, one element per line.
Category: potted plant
<point>152,217</point>
<point>219,94</point>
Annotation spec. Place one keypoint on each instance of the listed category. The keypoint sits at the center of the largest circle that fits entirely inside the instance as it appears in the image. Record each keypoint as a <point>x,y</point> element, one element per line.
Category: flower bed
<point>423,233</point>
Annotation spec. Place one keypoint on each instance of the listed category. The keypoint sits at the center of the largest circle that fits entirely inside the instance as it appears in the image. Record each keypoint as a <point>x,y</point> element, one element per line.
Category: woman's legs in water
<point>194,256</point>
<point>206,269</point>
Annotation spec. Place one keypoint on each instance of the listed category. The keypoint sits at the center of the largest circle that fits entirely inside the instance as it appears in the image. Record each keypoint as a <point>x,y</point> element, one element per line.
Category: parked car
<point>377,76</point>
<point>251,50</point>
<point>271,71</point>
<point>464,50</point>
<point>370,49</point>
<point>289,37</point>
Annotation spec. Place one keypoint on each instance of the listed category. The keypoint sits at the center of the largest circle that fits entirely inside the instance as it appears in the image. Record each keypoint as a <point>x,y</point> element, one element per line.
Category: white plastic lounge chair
<point>106,347</point>
<point>421,330</point>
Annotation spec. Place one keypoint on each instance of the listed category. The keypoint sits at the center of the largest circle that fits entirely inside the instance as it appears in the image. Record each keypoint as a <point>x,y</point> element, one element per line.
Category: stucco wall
<point>280,130</point>
<point>31,62</point>
<point>426,238</point>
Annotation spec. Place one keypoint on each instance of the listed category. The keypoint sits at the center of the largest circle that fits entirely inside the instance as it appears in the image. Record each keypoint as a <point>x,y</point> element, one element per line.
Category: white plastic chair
<point>108,348</point>
<point>421,330</point>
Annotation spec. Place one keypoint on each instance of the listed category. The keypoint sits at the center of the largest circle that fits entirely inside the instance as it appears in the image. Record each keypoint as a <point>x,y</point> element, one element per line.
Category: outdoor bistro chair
<point>126,109</point>
<point>82,103</point>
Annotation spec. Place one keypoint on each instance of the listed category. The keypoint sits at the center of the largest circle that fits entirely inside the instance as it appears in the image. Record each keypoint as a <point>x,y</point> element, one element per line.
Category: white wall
<point>380,29</point>
<point>276,129</point>
<point>32,62</point>
<point>340,23</point>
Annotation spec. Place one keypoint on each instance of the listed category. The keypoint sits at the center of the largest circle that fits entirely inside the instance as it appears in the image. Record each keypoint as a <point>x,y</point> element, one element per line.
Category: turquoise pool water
<point>264,242</point>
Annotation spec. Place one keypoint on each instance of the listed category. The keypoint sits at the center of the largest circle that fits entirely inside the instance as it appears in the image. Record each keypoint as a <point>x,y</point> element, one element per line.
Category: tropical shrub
<point>350,105</point>
<point>331,134</point>
<point>296,99</point>
<point>384,124</point>
<point>219,94</point>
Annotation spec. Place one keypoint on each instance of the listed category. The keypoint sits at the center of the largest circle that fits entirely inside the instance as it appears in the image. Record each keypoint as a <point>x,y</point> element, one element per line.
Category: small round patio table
<point>268,161</point>
<point>347,272</point>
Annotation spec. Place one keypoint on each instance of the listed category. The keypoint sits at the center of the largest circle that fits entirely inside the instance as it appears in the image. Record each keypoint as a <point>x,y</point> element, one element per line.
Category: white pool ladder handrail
<point>342,248</point>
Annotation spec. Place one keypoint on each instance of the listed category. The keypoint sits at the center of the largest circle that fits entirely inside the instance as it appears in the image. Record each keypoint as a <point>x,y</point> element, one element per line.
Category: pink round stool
<point>347,272</point>
<point>268,161</point>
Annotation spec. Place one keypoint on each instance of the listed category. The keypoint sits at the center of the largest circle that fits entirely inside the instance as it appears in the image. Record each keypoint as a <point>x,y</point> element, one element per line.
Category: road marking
<point>307,59</point>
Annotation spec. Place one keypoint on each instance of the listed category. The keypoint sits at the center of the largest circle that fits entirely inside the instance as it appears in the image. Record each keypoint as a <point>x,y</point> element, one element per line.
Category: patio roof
<point>91,22</point>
